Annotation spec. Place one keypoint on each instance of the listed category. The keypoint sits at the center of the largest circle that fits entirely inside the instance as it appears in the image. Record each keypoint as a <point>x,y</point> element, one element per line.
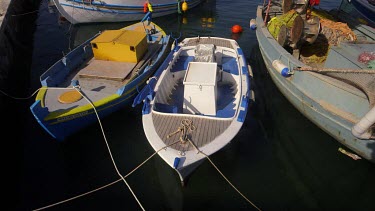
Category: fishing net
<point>332,33</point>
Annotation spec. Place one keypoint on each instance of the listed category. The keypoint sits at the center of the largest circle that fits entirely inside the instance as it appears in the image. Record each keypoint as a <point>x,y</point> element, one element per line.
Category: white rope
<point>77,88</point>
<point>107,185</point>
<point>223,175</point>
<point>188,125</point>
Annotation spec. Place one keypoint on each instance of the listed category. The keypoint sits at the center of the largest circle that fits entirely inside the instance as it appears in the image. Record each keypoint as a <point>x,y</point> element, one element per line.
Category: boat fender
<point>145,7</point>
<point>184,6</point>
<point>362,129</point>
<point>253,24</point>
<point>150,7</point>
<point>281,68</point>
<point>176,162</point>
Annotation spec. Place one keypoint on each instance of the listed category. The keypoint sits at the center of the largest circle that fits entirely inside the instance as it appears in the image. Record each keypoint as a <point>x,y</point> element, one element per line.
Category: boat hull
<point>115,10</point>
<point>366,10</point>
<point>63,127</point>
<point>315,95</point>
<point>168,112</point>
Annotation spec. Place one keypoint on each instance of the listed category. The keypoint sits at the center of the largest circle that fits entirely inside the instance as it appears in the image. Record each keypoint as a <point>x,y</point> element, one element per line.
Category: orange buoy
<point>236,29</point>
<point>184,6</point>
<point>145,7</point>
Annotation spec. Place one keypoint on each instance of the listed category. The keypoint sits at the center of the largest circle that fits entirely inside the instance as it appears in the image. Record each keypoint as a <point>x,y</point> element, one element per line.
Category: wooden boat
<point>196,102</point>
<point>323,62</point>
<point>363,10</point>
<point>104,72</point>
<point>90,11</point>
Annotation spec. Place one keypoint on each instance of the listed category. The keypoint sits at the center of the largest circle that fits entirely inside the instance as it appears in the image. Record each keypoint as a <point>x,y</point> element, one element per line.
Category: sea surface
<point>279,160</point>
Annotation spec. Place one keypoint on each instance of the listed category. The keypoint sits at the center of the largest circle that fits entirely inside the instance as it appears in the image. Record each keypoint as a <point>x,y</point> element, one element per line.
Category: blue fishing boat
<point>323,62</point>
<point>99,77</point>
<point>196,102</point>
<point>90,11</point>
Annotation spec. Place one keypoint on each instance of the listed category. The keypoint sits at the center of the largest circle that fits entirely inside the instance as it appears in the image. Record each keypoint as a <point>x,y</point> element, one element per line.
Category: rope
<point>107,185</point>
<point>25,98</point>
<point>208,158</point>
<point>333,70</point>
<point>26,13</point>
<point>188,125</point>
<point>78,89</point>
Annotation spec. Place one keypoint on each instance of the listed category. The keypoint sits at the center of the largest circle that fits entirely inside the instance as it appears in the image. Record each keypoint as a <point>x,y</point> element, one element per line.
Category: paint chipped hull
<point>332,104</point>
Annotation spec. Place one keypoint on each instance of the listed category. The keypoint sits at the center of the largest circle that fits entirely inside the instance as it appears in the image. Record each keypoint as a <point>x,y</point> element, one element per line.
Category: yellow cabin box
<point>120,45</point>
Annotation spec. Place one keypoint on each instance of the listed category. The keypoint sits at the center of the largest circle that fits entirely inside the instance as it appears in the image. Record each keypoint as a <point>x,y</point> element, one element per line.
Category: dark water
<point>279,160</point>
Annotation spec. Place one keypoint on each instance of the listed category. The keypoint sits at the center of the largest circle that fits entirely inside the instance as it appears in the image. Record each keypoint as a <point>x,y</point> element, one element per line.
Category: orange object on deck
<point>70,97</point>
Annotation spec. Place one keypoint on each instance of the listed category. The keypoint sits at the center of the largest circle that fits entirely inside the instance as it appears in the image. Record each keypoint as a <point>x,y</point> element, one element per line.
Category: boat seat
<point>205,53</point>
<point>110,70</point>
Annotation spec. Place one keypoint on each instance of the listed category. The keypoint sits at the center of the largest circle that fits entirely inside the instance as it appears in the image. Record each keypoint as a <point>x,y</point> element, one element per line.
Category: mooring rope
<point>25,98</point>
<point>334,70</point>
<point>78,89</point>
<point>109,184</point>
<point>188,125</point>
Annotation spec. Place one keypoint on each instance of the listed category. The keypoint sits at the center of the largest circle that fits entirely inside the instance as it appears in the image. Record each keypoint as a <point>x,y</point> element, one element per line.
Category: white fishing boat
<point>91,11</point>
<point>196,102</point>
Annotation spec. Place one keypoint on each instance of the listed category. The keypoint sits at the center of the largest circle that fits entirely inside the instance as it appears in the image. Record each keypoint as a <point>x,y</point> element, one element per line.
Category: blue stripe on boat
<point>116,11</point>
<point>230,65</point>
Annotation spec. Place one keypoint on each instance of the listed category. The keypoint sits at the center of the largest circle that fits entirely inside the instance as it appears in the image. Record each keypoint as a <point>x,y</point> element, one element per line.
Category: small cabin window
<point>94,45</point>
<point>132,48</point>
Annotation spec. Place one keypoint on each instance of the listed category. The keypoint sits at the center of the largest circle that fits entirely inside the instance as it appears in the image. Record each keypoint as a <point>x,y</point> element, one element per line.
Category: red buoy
<point>145,7</point>
<point>236,29</point>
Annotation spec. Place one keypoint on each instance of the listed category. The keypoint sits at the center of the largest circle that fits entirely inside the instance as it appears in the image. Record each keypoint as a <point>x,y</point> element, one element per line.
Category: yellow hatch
<point>120,45</point>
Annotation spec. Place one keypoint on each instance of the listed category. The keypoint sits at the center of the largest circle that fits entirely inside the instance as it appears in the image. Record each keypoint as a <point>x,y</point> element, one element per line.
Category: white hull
<point>114,10</point>
<point>212,131</point>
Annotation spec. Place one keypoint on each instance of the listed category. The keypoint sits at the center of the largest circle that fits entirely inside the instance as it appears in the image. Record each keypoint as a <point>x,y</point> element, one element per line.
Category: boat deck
<point>206,130</point>
<point>99,79</point>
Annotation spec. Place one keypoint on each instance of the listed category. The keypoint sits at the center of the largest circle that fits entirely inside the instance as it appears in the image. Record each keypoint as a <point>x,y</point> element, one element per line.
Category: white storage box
<point>200,88</point>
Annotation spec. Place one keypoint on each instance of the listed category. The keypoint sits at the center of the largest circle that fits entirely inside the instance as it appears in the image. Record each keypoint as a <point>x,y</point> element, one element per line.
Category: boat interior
<point>96,67</point>
<point>201,80</point>
<point>329,41</point>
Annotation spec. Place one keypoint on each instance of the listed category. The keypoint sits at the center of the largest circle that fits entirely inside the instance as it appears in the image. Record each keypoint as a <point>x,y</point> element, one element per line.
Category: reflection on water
<point>279,159</point>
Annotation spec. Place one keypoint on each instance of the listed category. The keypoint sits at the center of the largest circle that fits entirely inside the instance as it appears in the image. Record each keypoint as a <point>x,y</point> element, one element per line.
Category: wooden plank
<point>107,70</point>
